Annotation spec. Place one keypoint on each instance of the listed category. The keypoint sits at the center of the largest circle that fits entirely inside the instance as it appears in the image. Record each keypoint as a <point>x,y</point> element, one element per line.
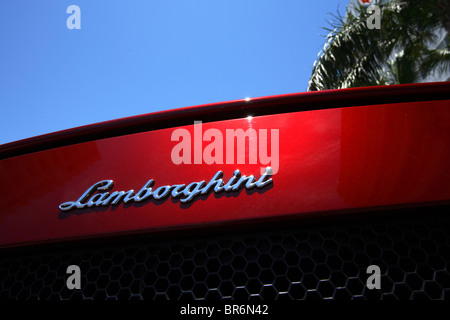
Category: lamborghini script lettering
<point>184,192</point>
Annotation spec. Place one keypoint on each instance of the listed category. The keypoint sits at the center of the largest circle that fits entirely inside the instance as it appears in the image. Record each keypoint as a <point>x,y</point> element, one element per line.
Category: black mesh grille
<point>307,261</point>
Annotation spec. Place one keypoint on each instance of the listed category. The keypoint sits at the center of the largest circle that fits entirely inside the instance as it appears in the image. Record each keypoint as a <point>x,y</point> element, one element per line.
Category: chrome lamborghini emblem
<point>98,194</point>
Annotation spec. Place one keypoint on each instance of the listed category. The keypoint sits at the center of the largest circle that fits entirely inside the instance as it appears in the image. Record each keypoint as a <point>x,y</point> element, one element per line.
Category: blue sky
<point>132,57</point>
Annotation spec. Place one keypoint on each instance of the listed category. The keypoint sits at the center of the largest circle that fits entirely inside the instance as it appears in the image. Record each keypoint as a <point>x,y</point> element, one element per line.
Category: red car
<point>284,197</point>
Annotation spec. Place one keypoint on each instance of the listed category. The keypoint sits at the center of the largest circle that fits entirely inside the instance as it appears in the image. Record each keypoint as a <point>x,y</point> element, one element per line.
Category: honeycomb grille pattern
<point>304,262</point>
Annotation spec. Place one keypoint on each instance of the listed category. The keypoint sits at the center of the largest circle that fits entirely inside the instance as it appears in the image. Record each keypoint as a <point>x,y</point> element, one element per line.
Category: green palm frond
<point>438,59</point>
<point>398,53</point>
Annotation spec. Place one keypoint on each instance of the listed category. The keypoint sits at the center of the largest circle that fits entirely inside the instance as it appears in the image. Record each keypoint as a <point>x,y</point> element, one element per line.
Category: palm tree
<point>403,51</point>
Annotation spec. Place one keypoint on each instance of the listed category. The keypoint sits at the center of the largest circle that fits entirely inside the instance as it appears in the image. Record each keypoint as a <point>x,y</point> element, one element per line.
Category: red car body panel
<point>340,151</point>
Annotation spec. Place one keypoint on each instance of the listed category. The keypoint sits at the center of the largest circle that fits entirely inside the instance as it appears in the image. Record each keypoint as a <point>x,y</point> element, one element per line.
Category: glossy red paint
<point>331,160</point>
